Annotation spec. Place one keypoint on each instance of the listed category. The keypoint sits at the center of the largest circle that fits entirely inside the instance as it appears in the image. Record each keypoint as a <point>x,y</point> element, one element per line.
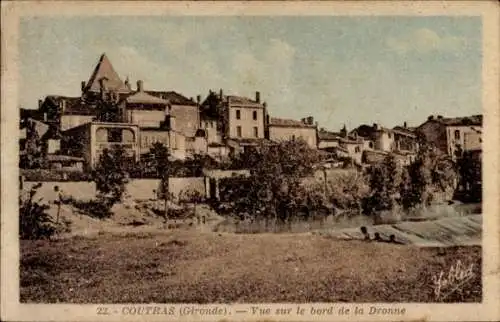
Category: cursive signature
<point>458,275</point>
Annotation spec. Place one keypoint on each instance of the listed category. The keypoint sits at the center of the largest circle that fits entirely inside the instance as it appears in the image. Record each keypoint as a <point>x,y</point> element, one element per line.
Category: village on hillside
<point>70,133</point>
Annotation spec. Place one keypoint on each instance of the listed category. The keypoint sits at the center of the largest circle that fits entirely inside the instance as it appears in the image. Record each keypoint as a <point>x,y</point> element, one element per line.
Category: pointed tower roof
<point>104,69</point>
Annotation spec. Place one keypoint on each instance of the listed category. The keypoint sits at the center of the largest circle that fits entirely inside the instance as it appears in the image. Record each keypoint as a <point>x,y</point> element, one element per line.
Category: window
<point>101,135</point>
<point>370,145</point>
<point>128,136</point>
<point>115,135</point>
<point>255,131</point>
<point>357,149</point>
<point>293,137</point>
<point>238,114</point>
<point>254,115</point>
<point>238,131</point>
<point>457,135</point>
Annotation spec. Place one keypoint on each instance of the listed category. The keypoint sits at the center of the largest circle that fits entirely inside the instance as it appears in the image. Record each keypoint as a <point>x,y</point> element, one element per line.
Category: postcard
<point>256,161</point>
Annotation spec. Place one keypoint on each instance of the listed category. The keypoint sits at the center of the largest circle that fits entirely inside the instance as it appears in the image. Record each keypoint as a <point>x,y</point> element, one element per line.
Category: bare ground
<point>201,267</point>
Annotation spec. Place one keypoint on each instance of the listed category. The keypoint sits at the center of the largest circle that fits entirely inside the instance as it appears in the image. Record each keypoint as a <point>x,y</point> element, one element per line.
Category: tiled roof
<point>104,69</point>
<point>327,135</point>
<point>241,100</point>
<point>174,98</point>
<point>274,121</point>
<point>466,120</point>
<point>145,98</point>
<point>404,131</point>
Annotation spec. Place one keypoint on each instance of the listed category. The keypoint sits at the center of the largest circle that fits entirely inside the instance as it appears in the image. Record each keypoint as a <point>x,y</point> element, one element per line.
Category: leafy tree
<point>160,158</point>
<point>34,157</point>
<point>34,221</point>
<point>469,169</point>
<point>274,188</point>
<point>431,171</point>
<point>384,181</point>
<point>110,175</point>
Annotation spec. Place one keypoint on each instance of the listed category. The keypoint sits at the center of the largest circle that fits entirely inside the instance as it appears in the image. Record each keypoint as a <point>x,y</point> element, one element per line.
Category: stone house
<point>89,140</point>
<point>450,135</point>
<point>239,121</point>
<point>287,129</point>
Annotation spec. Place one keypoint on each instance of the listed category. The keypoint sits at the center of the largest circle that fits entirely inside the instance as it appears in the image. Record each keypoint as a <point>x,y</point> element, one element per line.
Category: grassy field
<point>195,267</point>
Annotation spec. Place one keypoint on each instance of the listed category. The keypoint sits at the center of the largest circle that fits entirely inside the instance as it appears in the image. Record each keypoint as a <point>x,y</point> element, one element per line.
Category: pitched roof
<point>456,121</point>
<point>145,98</point>
<point>240,100</point>
<point>327,135</point>
<point>105,70</point>
<point>465,120</point>
<point>404,131</point>
<point>274,121</point>
<point>173,97</point>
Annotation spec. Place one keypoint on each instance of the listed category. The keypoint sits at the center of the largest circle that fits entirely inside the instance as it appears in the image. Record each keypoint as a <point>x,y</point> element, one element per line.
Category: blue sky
<point>350,70</point>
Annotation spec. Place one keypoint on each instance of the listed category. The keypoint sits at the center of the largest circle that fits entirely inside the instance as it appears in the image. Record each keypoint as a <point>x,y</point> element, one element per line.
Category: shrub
<point>111,175</point>
<point>34,221</point>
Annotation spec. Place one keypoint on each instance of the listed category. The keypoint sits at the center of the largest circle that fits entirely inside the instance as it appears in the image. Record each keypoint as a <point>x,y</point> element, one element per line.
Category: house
<point>452,135</point>
<point>89,140</point>
<point>185,110</point>
<point>239,121</point>
<point>405,139</point>
<point>280,129</point>
<point>327,140</point>
<point>378,137</point>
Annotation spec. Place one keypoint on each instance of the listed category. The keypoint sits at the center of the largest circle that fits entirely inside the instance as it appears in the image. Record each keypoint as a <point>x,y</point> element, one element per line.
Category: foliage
<point>110,175</point>
<point>34,156</point>
<point>384,181</point>
<point>429,173</point>
<point>34,221</point>
<point>274,188</point>
<point>469,169</point>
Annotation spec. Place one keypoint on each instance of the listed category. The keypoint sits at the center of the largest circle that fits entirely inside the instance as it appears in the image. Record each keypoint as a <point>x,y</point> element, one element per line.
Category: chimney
<point>430,118</point>
<point>83,86</point>
<point>257,97</point>
<point>171,123</point>
<point>405,125</point>
<point>127,83</point>
<point>221,94</point>
<point>310,120</point>
<point>140,86</point>
<point>198,99</point>
<point>40,103</point>
<point>45,117</point>
<point>375,126</point>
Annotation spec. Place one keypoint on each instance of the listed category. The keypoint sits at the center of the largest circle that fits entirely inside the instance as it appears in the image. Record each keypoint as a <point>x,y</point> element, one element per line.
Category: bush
<point>34,221</point>
<point>97,208</point>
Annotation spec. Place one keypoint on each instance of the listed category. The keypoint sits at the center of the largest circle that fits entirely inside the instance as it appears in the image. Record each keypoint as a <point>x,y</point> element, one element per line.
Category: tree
<point>110,175</point>
<point>160,158</point>
<point>34,221</point>
<point>34,157</point>
<point>274,188</point>
<point>430,172</point>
